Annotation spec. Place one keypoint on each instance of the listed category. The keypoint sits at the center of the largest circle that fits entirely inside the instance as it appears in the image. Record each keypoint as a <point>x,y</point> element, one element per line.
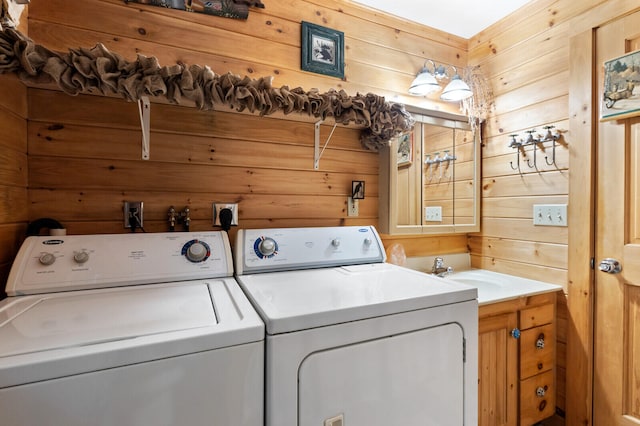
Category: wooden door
<point>616,397</point>
<point>497,371</point>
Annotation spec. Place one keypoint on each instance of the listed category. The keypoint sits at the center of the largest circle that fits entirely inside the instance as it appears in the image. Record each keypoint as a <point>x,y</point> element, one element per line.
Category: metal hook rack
<point>549,136</point>
<point>437,162</point>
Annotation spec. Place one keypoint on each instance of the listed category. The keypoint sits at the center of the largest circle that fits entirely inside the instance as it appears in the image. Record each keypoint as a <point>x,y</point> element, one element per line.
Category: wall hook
<point>515,144</point>
<point>553,137</point>
<point>534,142</point>
<point>448,158</point>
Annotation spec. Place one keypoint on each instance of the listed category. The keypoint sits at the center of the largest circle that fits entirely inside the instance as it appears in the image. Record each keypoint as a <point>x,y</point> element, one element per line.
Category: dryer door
<point>408,379</point>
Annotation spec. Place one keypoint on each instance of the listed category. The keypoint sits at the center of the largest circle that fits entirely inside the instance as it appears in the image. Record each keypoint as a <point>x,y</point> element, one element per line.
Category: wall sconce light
<point>426,82</point>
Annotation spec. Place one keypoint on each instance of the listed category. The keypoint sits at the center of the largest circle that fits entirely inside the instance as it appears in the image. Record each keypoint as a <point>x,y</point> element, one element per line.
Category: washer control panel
<point>73,262</point>
<point>265,250</point>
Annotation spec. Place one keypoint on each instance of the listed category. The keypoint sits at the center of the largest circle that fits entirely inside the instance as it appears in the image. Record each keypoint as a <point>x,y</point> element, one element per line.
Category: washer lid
<point>298,300</point>
<point>70,320</point>
<point>53,335</point>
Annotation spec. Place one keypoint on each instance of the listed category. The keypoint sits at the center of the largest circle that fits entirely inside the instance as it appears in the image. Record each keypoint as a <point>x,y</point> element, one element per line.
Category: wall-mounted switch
<point>550,214</point>
<point>218,207</point>
<point>433,214</point>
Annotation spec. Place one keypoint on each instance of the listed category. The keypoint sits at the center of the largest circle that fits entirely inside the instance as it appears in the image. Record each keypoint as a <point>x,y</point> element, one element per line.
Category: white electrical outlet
<point>217,207</point>
<point>550,214</point>
<point>433,214</point>
<point>352,207</point>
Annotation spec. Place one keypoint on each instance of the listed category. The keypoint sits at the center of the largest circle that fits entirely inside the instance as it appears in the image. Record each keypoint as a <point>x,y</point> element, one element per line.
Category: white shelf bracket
<point>317,153</point>
<point>144,108</point>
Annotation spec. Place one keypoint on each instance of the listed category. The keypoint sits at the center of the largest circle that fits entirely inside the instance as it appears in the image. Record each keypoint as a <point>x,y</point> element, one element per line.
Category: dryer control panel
<point>266,250</point>
<point>74,262</point>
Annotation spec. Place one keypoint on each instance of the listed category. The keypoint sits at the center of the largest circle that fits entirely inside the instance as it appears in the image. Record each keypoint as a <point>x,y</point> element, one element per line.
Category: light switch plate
<point>433,214</point>
<point>550,214</point>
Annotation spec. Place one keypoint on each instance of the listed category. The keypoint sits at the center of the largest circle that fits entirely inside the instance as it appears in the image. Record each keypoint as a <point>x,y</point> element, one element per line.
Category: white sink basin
<point>496,287</point>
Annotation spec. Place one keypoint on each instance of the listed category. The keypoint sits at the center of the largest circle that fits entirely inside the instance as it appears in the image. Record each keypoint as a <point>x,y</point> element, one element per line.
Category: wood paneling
<point>82,169</point>
<point>387,51</point>
<point>529,59</point>
<point>13,171</point>
<point>84,151</point>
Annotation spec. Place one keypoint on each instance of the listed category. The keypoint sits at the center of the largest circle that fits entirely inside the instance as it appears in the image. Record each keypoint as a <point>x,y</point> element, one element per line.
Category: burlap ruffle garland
<point>97,69</point>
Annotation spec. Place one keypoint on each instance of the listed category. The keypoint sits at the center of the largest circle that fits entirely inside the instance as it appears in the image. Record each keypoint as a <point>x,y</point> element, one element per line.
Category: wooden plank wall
<point>84,151</point>
<point>13,171</point>
<point>526,57</point>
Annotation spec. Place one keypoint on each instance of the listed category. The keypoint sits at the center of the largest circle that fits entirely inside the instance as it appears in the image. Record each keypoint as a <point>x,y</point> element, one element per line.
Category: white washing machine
<point>131,329</point>
<point>354,341</point>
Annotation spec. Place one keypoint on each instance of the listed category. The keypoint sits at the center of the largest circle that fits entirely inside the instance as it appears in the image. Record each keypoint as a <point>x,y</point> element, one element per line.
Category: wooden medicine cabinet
<point>430,177</point>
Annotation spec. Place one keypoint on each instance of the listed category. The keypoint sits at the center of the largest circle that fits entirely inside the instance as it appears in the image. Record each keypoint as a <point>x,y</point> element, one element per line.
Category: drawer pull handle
<point>540,341</point>
<point>542,405</point>
<point>541,391</point>
<point>540,365</point>
<point>515,333</point>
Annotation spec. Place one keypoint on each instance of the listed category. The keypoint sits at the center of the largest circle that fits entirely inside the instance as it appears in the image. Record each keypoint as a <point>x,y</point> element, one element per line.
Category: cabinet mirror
<point>429,177</point>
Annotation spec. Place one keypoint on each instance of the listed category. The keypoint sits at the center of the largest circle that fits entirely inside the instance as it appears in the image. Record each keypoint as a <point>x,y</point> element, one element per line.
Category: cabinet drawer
<point>537,398</point>
<point>534,317</point>
<point>535,359</point>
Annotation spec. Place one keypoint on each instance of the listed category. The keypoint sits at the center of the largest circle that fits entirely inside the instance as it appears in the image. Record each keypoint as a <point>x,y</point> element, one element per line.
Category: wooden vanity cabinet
<point>516,376</point>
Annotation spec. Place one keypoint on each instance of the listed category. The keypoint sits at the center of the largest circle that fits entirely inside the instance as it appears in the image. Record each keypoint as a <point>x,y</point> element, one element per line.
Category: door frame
<point>581,241</point>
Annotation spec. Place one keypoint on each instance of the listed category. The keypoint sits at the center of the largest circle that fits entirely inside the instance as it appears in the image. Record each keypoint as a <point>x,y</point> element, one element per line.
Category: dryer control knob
<point>47,259</point>
<point>367,242</point>
<point>81,257</point>
<point>197,252</point>
<point>267,247</point>
<point>335,242</point>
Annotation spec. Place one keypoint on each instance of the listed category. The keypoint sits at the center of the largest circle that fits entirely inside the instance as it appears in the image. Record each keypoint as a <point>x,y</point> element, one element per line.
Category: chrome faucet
<point>439,269</point>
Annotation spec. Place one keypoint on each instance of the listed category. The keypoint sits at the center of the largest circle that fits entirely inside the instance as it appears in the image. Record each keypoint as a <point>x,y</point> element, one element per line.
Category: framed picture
<point>405,149</point>
<point>322,50</point>
<point>621,94</point>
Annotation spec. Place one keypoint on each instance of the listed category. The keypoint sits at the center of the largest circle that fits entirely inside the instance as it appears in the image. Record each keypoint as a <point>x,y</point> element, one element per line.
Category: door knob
<point>610,266</point>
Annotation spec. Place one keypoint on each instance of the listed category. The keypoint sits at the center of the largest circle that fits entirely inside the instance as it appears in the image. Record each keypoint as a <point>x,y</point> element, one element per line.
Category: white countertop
<point>496,287</point>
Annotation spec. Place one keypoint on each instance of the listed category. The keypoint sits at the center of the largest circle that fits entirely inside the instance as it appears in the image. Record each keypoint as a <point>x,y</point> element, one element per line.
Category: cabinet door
<point>497,371</point>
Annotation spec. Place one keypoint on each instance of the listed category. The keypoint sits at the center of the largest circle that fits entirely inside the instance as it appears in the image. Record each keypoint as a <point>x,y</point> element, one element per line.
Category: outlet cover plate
<point>139,207</point>
<point>550,214</point>
<point>353,209</point>
<point>433,214</point>
<point>217,207</point>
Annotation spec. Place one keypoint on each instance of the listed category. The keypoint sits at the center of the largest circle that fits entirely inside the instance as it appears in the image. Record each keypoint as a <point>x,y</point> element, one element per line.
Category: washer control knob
<point>197,252</point>
<point>81,257</point>
<point>335,242</point>
<point>367,242</point>
<point>47,259</point>
<point>267,247</point>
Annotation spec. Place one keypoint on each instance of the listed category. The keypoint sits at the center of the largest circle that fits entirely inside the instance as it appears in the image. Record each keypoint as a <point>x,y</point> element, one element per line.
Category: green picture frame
<point>621,89</point>
<point>322,50</point>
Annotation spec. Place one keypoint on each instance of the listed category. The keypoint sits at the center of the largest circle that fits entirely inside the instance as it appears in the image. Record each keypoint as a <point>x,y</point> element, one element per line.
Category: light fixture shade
<point>423,84</point>
<point>456,90</point>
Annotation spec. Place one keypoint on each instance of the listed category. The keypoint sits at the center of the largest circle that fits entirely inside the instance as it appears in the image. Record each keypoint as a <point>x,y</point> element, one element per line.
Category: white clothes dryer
<point>354,341</point>
<point>132,329</point>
